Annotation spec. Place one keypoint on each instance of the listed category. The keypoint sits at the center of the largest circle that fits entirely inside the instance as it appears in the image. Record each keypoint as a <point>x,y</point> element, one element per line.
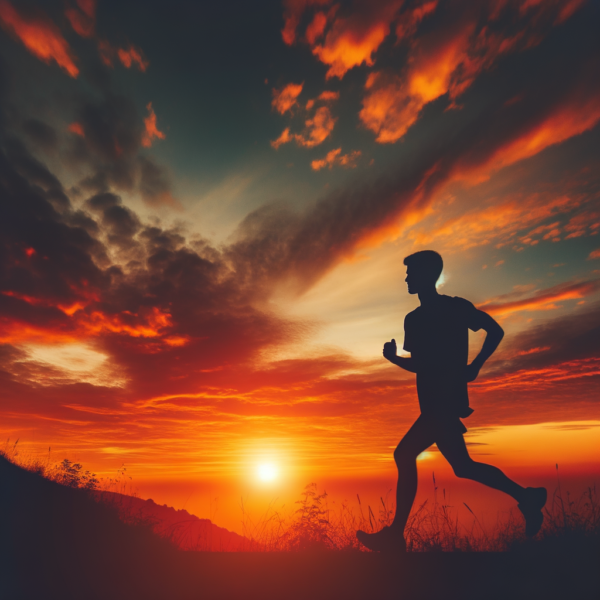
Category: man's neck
<point>428,296</point>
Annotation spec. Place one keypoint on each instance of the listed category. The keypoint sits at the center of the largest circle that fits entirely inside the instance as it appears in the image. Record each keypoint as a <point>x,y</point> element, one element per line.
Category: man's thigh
<point>451,444</point>
<point>417,439</point>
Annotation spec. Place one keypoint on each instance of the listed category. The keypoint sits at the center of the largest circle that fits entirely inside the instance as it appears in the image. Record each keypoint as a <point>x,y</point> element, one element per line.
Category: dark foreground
<point>59,543</point>
<point>290,576</point>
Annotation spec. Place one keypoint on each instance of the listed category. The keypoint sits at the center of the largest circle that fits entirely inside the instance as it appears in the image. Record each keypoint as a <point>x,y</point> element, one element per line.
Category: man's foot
<point>531,507</point>
<point>387,540</point>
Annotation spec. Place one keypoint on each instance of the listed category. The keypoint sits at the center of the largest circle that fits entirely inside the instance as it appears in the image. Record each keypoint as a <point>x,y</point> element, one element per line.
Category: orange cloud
<point>353,40</point>
<point>594,254</point>
<point>77,129</point>
<point>442,62</point>
<point>317,129</point>
<point>293,11</point>
<point>580,113</point>
<point>147,325</point>
<point>335,157</point>
<point>285,98</point>
<point>393,102</point>
<point>40,36</point>
<point>82,17</point>
<point>284,138</point>
<point>543,299</point>
<point>326,96</point>
<point>133,56</point>
<point>151,131</point>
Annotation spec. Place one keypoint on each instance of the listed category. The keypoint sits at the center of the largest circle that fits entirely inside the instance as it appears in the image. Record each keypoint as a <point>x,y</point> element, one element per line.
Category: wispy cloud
<point>40,36</point>
<point>335,157</point>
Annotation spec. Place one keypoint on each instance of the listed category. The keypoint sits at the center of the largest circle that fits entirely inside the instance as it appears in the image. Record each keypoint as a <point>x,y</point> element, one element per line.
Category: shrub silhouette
<point>310,527</point>
<point>72,475</point>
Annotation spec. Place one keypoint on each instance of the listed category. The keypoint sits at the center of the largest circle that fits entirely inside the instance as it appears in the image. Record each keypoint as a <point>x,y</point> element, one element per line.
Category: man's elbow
<point>498,332</point>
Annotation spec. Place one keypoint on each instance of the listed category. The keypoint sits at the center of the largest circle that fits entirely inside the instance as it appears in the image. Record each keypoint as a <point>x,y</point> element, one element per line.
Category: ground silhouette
<point>59,543</point>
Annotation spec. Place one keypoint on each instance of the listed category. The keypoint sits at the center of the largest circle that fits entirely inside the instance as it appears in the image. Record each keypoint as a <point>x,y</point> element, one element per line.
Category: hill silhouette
<point>184,530</point>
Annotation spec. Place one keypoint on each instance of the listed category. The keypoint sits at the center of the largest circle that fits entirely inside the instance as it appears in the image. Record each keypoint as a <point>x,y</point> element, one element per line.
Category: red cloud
<point>594,254</point>
<point>40,36</point>
<point>335,157</point>
<point>285,98</point>
<point>133,56</point>
<point>82,17</point>
<point>77,129</point>
<point>151,132</point>
<point>293,10</point>
<point>128,57</point>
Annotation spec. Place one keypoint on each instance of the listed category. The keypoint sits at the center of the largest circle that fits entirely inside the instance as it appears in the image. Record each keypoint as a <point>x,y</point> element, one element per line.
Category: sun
<point>267,472</point>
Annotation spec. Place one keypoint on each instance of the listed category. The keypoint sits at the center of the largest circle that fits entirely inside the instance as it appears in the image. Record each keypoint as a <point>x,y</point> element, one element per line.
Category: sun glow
<point>267,472</point>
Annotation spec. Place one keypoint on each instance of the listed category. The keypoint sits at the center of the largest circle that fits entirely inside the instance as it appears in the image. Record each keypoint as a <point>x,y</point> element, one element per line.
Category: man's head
<point>423,269</point>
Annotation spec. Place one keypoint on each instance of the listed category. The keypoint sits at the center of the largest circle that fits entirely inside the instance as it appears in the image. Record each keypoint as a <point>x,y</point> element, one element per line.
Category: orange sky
<point>199,266</point>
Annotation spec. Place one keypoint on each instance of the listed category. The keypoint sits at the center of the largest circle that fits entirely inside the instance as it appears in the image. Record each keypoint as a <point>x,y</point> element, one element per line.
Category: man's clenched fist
<point>390,350</point>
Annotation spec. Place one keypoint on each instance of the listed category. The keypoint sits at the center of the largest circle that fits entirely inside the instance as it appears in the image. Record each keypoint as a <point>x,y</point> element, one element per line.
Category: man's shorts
<point>443,424</point>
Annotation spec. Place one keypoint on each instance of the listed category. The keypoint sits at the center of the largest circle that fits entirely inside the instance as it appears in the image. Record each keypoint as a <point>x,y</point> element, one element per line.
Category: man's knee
<point>403,454</point>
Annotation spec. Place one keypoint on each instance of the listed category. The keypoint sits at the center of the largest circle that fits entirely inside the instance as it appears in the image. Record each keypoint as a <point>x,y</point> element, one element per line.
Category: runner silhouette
<point>436,335</point>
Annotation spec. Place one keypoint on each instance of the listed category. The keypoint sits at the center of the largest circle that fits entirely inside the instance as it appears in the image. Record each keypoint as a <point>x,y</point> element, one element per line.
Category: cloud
<point>284,138</point>
<point>352,40</point>
<point>286,98</point>
<point>129,57</point>
<point>41,134</point>
<point>82,16</point>
<point>133,56</point>
<point>40,36</point>
<point>594,254</point>
<point>292,13</point>
<point>161,308</point>
<point>447,61</point>
<point>316,130</point>
<point>151,132</point>
<point>155,185</point>
<point>543,299</point>
<point>335,157</point>
<point>76,128</point>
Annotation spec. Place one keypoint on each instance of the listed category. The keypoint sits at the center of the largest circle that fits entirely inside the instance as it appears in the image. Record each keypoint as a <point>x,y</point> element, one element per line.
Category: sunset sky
<point>204,208</point>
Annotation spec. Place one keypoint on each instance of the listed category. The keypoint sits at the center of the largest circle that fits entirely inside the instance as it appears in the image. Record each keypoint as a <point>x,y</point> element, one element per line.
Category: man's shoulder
<point>413,314</point>
<point>460,303</point>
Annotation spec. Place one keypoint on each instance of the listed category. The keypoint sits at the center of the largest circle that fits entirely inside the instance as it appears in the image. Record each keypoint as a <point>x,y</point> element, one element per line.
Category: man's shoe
<point>387,540</point>
<point>531,507</point>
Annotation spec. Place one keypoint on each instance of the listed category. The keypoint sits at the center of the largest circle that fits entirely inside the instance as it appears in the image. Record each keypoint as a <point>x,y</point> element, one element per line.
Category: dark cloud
<point>561,340</point>
<point>155,184</point>
<point>165,311</point>
<point>41,134</point>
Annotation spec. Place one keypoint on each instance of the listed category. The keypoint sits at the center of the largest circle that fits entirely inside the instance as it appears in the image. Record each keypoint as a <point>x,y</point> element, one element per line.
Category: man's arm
<point>494,336</point>
<point>404,362</point>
